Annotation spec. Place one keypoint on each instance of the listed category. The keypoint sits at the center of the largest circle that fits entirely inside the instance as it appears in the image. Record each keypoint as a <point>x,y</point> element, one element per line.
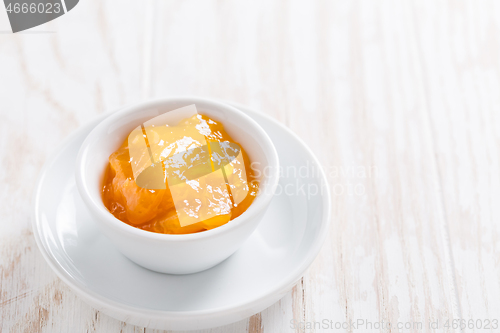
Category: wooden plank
<point>459,45</point>
<point>342,76</point>
<point>53,79</point>
<point>347,77</point>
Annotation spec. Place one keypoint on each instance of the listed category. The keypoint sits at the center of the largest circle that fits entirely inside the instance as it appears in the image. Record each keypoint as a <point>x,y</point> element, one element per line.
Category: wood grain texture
<point>460,46</point>
<point>399,100</point>
<point>53,80</point>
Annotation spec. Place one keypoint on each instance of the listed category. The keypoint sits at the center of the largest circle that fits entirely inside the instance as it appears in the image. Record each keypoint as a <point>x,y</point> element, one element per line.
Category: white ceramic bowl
<point>175,254</point>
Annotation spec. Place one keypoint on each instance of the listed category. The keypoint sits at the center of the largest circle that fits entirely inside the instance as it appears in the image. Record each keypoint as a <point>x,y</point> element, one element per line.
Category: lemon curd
<point>200,187</point>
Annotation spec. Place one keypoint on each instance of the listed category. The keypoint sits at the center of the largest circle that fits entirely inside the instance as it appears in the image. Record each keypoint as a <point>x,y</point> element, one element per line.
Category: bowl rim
<point>108,305</point>
<point>260,203</point>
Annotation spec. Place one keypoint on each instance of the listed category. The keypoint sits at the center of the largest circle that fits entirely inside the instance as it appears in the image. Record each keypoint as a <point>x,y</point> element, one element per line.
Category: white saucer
<point>265,268</point>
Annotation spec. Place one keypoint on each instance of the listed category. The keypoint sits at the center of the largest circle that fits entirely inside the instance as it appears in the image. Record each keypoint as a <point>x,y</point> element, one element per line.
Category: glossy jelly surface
<point>206,178</point>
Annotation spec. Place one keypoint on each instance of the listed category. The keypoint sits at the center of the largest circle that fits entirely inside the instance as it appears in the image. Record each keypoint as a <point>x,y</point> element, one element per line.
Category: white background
<point>411,88</point>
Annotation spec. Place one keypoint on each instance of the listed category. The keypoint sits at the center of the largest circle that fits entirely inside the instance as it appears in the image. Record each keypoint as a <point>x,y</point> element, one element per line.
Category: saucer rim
<point>102,302</point>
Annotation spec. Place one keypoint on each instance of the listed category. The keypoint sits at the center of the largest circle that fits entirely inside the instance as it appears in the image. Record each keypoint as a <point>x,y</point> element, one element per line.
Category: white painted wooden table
<point>400,100</point>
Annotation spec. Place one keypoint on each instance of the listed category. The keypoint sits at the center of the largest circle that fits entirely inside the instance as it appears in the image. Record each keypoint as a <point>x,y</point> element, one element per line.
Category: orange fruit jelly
<point>203,194</point>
